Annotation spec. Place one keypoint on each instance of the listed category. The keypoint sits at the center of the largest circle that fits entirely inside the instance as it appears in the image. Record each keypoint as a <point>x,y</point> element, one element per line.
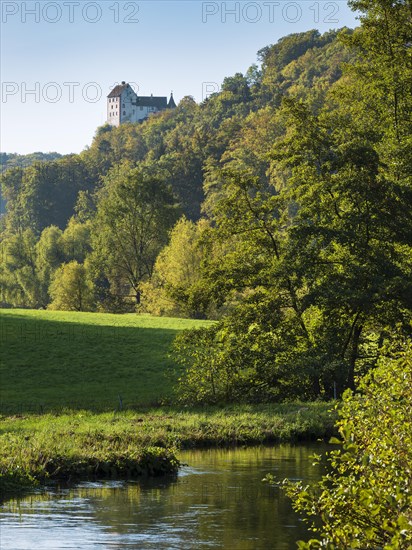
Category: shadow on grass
<point>50,365</point>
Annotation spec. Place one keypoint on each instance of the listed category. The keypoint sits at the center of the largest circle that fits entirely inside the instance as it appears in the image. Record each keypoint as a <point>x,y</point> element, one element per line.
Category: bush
<point>366,499</point>
<point>209,376</point>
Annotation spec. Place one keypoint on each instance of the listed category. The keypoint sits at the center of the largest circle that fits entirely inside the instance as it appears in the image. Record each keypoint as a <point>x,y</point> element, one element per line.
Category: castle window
<point>124,112</point>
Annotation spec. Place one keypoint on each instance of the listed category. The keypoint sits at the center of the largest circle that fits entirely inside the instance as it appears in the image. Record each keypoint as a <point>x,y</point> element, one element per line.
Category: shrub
<point>365,501</point>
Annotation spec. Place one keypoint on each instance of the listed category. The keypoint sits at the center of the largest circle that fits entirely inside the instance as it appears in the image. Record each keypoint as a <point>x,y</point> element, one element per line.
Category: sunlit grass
<point>170,426</point>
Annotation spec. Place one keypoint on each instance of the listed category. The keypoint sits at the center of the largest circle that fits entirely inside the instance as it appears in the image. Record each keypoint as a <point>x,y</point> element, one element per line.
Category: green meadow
<point>86,395</point>
<point>56,360</point>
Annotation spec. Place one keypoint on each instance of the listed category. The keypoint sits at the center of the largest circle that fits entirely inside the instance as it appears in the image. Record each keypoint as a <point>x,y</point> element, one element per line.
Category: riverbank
<point>35,449</point>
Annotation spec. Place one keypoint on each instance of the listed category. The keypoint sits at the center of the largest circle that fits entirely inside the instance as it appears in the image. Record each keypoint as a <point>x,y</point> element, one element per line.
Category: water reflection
<point>217,501</point>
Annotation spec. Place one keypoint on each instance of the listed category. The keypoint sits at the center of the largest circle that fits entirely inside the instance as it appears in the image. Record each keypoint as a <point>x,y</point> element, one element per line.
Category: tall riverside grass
<point>58,451</point>
<point>80,444</point>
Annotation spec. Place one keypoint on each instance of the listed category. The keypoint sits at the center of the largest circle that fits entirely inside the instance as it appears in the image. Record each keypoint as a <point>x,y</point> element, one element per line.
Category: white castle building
<point>124,105</point>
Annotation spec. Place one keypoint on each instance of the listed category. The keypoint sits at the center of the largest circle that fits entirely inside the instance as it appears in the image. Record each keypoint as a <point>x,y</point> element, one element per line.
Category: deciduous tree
<point>134,215</point>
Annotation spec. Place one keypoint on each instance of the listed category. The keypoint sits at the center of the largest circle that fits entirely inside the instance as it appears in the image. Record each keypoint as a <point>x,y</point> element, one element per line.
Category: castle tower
<point>171,104</point>
<point>121,104</point>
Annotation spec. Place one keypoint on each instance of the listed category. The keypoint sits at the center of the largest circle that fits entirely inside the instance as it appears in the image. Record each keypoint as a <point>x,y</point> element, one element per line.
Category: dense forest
<point>11,160</point>
<point>280,207</point>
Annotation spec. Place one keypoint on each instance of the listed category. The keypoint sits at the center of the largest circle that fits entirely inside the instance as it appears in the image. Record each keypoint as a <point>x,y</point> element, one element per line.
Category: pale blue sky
<point>67,52</point>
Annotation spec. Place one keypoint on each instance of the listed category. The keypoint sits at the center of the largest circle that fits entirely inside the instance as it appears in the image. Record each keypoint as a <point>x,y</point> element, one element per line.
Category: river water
<point>217,501</point>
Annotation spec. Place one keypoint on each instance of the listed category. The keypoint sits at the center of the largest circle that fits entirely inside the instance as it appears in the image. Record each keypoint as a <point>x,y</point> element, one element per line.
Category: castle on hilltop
<point>124,105</point>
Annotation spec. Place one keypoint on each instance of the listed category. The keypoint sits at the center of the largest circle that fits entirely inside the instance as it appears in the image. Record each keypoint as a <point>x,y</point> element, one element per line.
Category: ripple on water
<point>218,501</point>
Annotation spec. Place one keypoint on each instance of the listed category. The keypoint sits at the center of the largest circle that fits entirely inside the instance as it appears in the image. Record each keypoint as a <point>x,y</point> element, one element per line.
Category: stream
<point>217,501</point>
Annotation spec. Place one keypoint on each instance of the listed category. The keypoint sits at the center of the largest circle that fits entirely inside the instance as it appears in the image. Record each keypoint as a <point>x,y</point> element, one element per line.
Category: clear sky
<point>59,59</point>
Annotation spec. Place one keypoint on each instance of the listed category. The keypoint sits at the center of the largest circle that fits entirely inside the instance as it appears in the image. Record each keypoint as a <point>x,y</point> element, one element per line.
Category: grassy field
<point>52,360</point>
<point>84,362</point>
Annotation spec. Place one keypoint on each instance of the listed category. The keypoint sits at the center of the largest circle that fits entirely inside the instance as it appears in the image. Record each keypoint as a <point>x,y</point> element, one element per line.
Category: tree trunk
<point>316,386</point>
<point>357,331</point>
